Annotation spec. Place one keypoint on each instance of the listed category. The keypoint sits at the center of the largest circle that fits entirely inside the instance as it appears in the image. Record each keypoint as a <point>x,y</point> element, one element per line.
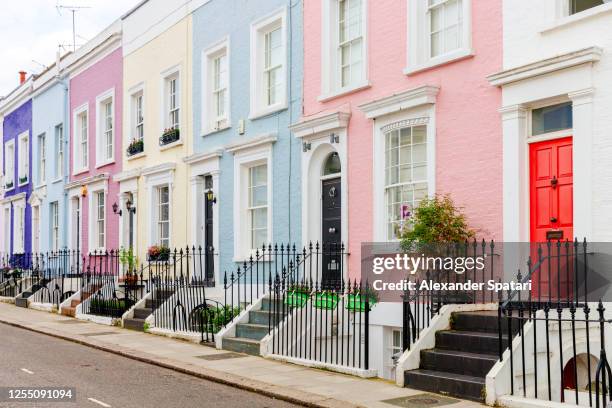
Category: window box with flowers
<point>135,147</point>
<point>169,136</point>
<point>9,185</point>
<point>23,180</point>
<point>158,253</point>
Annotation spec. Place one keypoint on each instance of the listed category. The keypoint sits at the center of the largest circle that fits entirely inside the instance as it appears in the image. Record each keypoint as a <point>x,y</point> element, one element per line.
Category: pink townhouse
<point>95,143</point>
<point>397,107</point>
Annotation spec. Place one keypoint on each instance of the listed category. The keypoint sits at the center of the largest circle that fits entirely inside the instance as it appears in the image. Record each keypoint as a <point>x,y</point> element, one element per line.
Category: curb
<point>273,391</point>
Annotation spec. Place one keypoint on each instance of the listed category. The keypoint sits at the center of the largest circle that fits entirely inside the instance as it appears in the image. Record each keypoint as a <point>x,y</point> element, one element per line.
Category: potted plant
<point>357,300</point>
<point>23,180</point>
<point>297,295</point>
<point>170,135</point>
<point>326,300</point>
<point>9,185</point>
<point>158,253</point>
<point>136,146</point>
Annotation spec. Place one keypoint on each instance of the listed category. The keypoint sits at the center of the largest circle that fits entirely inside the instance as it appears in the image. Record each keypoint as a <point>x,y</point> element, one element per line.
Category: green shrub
<point>215,318</point>
<point>435,220</point>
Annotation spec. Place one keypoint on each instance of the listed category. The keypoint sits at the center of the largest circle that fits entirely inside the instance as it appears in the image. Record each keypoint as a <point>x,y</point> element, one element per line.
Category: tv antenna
<point>73,10</point>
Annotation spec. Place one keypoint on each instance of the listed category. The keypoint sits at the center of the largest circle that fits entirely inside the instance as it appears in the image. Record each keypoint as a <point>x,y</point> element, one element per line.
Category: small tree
<point>435,220</point>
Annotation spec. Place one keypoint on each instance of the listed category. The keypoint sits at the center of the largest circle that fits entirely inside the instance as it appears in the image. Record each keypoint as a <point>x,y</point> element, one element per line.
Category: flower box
<point>296,298</point>
<point>169,136</point>
<point>9,184</point>
<point>135,147</point>
<point>158,254</point>
<point>357,302</point>
<point>23,180</point>
<point>326,300</point>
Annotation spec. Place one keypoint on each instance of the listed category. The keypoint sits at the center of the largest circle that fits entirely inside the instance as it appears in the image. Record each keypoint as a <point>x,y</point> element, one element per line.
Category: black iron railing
<point>421,305</point>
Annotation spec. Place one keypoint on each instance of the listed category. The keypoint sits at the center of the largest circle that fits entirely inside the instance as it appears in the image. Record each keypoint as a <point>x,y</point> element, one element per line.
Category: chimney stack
<point>22,77</point>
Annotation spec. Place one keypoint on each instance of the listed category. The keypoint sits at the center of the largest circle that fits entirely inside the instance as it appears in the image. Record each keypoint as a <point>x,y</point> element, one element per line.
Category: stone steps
<point>461,358</point>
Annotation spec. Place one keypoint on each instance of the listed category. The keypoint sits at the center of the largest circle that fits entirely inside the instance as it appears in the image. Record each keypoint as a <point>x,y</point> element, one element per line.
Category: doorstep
<point>289,382</point>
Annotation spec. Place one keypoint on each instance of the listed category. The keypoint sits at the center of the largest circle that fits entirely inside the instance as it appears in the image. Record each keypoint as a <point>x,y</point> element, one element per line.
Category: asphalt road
<point>104,380</point>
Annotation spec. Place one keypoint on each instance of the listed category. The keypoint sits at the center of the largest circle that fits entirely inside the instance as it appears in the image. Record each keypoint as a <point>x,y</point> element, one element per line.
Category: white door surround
<point>534,89</point>
<point>320,137</point>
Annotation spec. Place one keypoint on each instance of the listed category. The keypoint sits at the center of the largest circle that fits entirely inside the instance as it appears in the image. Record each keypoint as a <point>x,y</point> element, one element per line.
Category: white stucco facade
<point>549,57</point>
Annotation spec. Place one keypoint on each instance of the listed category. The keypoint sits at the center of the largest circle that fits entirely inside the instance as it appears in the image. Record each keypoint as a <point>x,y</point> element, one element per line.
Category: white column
<point>582,111</point>
<point>197,224</point>
<point>515,174</point>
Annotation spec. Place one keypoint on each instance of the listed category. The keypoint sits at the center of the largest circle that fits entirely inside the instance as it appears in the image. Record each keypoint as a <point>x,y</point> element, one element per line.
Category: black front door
<point>331,229</point>
<point>208,233</point>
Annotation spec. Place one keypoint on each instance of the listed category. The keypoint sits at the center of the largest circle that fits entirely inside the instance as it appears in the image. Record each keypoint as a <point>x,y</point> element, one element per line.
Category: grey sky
<point>33,29</point>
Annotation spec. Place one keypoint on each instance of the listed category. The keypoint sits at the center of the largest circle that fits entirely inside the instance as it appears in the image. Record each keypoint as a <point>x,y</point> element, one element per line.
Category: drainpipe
<point>66,135</point>
<point>290,96</point>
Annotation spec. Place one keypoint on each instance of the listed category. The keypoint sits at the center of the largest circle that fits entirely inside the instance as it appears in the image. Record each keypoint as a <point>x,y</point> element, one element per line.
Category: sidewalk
<point>306,386</point>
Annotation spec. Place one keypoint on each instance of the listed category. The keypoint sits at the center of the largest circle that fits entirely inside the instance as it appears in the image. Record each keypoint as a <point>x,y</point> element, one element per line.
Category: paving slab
<point>289,382</point>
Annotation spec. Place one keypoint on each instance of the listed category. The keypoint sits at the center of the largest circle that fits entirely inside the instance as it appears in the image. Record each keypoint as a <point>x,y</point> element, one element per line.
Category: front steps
<point>137,321</point>
<point>462,357</point>
<point>70,311</point>
<point>248,335</point>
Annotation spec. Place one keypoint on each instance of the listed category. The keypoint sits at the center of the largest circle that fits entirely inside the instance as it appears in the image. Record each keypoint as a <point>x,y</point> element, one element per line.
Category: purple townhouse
<point>16,111</point>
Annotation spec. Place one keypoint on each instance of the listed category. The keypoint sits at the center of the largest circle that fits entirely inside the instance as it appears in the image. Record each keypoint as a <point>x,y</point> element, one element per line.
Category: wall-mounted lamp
<point>334,138</point>
<point>306,146</point>
<point>210,196</point>
<point>128,206</point>
<point>116,210</point>
<point>83,191</point>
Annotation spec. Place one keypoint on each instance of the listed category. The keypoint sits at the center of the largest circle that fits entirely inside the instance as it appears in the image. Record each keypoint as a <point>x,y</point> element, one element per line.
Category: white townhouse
<point>557,117</point>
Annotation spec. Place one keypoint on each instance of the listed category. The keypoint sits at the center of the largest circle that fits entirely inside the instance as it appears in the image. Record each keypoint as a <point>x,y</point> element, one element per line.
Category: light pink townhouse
<point>397,107</point>
<point>95,143</point>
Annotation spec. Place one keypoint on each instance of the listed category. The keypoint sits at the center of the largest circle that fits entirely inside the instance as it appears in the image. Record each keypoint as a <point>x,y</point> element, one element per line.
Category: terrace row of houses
<point>231,124</point>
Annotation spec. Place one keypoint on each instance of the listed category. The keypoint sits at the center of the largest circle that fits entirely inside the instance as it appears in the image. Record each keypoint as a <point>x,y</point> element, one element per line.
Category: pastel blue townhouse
<point>247,90</point>
<point>50,153</point>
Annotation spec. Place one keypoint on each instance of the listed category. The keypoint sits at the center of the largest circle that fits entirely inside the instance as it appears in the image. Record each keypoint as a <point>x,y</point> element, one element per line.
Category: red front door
<point>551,197</point>
<point>551,191</point>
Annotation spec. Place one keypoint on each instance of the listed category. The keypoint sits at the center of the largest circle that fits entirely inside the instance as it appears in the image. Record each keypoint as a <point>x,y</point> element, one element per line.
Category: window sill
<point>59,180</point>
<point>213,131</point>
<point>454,56</point>
<point>578,17</point>
<point>79,172</point>
<point>171,145</point>
<point>344,91</point>
<point>267,111</point>
<point>41,185</point>
<point>106,163</point>
<point>136,156</point>
<point>6,190</point>
<point>23,184</point>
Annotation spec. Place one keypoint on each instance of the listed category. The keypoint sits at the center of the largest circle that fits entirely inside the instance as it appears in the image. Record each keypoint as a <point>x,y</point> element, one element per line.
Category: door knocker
<point>332,192</point>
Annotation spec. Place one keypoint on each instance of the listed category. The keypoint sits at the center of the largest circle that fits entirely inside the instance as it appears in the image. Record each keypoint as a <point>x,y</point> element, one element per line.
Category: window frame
<point>54,227</point>
<point>251,208</point>
<point>9,163</point>
<point>173,74</point>
<point>102,140</point>
<point>418,33</point>
<point>94,218</point>
<point>23,155</point>
<point>331,64</point>
<point>388,187</point>
<point>42,159</point>
<point>79,140</point>
<point>158,210</point>
<point>19,213</point>
<point>422,114</point>
<point>243,161</point>
<point>259,28</point>
<point>208,57</point>
<point>59,151</point>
